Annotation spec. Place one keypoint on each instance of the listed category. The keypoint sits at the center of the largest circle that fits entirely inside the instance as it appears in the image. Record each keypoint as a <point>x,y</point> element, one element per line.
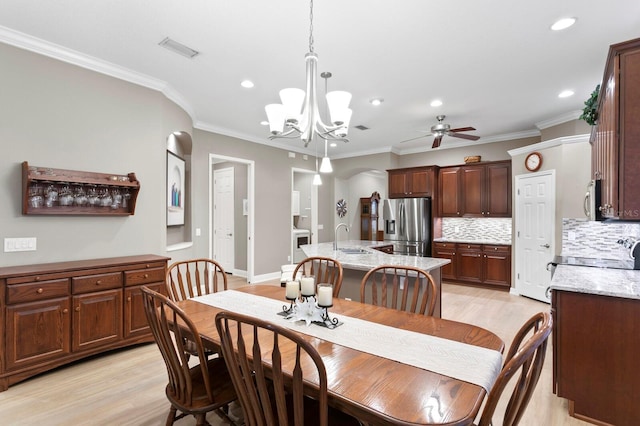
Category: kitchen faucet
<point>335,238</point>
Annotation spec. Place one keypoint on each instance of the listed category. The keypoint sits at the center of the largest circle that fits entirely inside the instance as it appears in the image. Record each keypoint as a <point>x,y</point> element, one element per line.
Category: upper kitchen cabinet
<point>412,182</point>
<point>478,190</point>
<point>616,137</point>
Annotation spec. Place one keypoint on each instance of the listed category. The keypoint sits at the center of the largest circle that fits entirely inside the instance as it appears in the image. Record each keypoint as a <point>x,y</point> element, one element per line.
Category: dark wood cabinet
<point>369,212</point>
<point>616,137</point>
<point>482,264</point>
<point>49,191</point>
<point>57,313</point>
<point>449,197</point>
<point>412,182</point>
<point>479,190</point>
<point>595,356</point>
<point>446,251</point>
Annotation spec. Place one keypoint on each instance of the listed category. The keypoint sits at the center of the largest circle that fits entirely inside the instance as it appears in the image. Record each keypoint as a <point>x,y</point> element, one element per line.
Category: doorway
<point>304,207</point>
<point>242,208</point>
<point>535,233</point>
<point>223,218</point>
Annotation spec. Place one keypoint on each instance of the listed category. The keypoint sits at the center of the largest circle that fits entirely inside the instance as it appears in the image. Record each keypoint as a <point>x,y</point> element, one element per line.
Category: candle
<point>325,295</point>
<point>307,285</point>
<point>293,288</point>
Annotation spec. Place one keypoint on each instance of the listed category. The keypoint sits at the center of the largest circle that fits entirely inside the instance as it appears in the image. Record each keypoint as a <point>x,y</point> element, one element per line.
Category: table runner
<point>473,364</point>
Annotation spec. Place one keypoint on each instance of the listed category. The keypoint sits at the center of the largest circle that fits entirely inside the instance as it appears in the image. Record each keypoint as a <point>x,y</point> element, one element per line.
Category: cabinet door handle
<point>146,275</point>
<point>98,282</point>
<point>129,299</point>
<point>65,311</point>
<point>39,291</point>
<point>77,309</point>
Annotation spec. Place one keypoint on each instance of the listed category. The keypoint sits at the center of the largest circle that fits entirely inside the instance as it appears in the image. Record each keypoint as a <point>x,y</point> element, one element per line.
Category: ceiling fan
<point>441,128</point>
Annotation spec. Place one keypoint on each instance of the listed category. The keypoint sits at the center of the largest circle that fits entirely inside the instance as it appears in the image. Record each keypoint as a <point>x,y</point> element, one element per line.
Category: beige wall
<point>59,115</point>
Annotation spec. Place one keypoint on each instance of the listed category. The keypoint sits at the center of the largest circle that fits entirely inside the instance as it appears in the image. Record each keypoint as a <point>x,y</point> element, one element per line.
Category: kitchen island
<point>359,256</point>
<point>596,314</point>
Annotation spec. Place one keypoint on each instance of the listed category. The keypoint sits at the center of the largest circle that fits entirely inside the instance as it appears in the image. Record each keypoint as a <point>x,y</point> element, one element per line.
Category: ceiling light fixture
<point>376,101</point>
<point>299,113</point>
<point>565,94</point>
<point>563,24</point>
<point>436,103</point>
<point>247,84</point>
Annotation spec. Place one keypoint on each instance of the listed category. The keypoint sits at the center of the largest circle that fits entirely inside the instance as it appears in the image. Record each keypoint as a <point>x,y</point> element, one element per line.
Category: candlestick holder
<point>327,321</point>
<point>288,310</point>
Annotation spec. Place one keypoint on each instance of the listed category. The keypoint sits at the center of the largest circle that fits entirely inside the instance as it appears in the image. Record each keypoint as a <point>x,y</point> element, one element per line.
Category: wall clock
<point>533,162</point>
<point>341,207</point>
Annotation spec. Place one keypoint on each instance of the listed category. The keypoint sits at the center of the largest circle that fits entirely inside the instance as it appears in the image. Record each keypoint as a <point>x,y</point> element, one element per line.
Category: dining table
<point>384,366</point>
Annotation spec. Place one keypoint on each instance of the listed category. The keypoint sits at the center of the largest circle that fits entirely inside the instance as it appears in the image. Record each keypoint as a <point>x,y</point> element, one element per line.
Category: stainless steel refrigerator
<point>407,224</point>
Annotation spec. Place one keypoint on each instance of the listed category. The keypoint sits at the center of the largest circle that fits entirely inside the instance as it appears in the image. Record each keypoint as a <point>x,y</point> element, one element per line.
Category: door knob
<point>544,245</point>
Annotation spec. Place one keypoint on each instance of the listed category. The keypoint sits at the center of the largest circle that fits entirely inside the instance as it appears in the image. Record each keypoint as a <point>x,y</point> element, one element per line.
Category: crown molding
<point>564,140</point>
<point>564,118</point>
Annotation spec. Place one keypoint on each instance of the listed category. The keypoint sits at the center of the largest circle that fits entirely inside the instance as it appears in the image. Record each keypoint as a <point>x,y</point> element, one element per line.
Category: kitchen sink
<point>354,250</point>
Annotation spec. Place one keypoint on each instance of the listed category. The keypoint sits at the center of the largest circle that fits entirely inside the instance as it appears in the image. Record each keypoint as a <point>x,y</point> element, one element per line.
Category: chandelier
<point>298,114</point>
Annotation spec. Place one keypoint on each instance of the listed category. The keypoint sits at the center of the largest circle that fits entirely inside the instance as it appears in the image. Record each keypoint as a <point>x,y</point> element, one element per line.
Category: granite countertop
<point>623,283</point>
<point>472,241</point>
<point>371,257</point>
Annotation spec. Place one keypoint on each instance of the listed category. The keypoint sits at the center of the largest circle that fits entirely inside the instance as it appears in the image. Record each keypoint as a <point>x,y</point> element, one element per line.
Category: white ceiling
<point>495,64</point>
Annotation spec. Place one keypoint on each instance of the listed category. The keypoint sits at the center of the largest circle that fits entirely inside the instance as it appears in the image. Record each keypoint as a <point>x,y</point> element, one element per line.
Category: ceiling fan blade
<point>462,129</point>
<point>463,136</point>
<point>436,141</point>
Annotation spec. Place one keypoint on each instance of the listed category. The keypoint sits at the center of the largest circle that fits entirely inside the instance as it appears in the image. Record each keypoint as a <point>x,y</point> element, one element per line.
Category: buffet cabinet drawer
<point>144,276</point>
<point>35,291</point>
<point>96,282</point>
<point>497,248</point>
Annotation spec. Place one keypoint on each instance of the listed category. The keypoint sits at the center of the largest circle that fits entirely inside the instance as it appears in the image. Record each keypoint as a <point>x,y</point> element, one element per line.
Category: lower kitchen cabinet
<point>595,356</point>
<point>57,313</point>
<point>481,264</point>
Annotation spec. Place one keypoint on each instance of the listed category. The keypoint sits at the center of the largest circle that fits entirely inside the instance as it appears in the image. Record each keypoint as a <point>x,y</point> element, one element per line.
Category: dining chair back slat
<point>267,397</point>
<point>193,390</point>
<point>405,288</point>
<point>195,277</point>
<point>526,356</point>
<point>323,269</point>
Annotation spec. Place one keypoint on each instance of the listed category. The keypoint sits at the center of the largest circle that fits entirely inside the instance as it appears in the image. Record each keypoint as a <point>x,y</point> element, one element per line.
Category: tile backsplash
<point>584,238</point>
<point>480,229</point>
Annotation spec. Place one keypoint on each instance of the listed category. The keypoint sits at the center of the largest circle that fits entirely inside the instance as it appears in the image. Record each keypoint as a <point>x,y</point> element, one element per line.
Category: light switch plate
<point>20,244</point>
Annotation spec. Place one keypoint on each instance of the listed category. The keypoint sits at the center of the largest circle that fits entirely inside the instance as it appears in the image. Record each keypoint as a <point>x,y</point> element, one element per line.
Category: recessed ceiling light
<point>436,103</point>
<point>563,23</point>
<point>264,123</point>
<point>248,84</point>
<point>376,101</point>
<point>333,144</point>
<point>565,93</point>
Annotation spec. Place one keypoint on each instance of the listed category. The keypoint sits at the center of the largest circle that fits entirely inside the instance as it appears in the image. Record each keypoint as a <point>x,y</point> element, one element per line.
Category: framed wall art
<point>175,189</point>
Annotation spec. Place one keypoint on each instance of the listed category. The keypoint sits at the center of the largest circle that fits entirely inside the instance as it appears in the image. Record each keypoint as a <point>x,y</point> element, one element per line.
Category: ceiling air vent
<point>178,48</point>
<point>361,127</point>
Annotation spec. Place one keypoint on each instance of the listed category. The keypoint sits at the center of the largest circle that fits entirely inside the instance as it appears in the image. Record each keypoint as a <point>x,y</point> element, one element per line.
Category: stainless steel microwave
<point>592,200</point>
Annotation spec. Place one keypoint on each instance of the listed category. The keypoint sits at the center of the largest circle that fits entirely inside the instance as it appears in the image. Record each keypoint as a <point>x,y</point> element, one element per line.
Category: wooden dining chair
<point>273,369</point>
<point>194,277</point>
<point>528,358</point>
<point>195,390</point>
<point>324,269</point>
<point>405,288</point>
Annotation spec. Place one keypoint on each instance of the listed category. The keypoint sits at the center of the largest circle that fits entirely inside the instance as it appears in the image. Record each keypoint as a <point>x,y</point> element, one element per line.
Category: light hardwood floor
<point>126,387</point>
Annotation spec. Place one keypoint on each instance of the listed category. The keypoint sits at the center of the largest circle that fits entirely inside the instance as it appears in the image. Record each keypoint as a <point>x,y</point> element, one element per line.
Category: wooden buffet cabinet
<point>481,264</point>
<point>475,190</point>
<point>615,139</point>
<point>595,356</point>
<point>56,313</point>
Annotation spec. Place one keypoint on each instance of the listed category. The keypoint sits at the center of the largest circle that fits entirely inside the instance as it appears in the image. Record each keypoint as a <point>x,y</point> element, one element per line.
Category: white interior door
<point>223,218</point>
<point>535,233</point>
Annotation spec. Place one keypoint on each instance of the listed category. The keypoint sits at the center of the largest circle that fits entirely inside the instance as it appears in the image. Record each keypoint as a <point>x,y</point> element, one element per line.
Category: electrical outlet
<point>198,232</point>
